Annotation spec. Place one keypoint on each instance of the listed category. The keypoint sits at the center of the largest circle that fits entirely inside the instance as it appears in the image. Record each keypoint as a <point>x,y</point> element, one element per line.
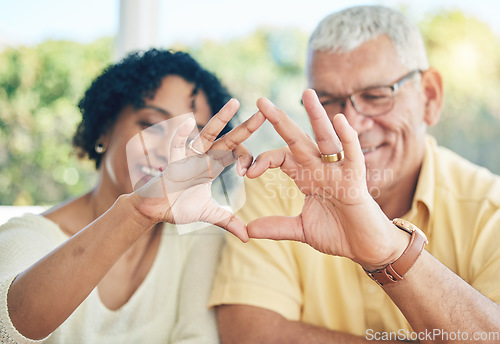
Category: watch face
<point>409,227</point>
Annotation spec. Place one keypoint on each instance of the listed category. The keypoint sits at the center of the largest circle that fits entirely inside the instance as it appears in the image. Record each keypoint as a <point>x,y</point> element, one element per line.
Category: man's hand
<point>339,217</point>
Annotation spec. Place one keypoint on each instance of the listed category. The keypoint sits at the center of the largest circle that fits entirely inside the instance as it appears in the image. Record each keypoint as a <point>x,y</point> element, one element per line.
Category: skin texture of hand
<point>182,192</point>
<point>336,194</point>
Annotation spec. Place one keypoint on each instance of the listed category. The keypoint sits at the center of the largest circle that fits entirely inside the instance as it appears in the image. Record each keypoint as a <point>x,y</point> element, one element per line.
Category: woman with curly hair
<point>109,267</point>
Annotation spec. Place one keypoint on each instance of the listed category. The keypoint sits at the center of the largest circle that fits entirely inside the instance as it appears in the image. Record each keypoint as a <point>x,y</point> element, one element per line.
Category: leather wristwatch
<point>395,271</point>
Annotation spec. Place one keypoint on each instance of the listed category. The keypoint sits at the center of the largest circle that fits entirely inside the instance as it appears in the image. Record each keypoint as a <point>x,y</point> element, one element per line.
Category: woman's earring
<point>99,147</point>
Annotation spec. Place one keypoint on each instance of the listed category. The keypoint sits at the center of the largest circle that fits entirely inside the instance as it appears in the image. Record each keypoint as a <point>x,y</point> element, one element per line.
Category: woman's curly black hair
<point>129,82</point>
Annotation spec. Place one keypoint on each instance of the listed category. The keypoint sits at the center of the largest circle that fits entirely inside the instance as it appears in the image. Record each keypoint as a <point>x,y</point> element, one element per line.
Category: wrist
<point>395,271</point>
<point>392,250</point>
<point>131,206</point>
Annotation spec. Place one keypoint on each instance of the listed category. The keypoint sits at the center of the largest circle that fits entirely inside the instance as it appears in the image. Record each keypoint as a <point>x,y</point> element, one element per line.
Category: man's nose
<point>359,122</point>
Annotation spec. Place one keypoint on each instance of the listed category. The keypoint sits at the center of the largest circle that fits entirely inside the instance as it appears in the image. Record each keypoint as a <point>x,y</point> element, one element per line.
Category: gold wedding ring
<point>190,146</point>
<point>328,158</point>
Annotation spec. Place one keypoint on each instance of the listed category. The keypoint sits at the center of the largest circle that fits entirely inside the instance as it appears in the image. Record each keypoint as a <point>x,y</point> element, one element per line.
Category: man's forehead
<point>347,72</point>
<point>376,51</point>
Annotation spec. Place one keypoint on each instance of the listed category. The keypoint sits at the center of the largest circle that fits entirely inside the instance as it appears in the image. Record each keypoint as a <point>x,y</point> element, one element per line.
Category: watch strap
<point>396,271</point>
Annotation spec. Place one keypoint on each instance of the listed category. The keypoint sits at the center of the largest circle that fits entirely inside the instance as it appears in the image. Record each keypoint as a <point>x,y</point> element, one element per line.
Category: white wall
<point>6,212</point>
<point>138,27</point>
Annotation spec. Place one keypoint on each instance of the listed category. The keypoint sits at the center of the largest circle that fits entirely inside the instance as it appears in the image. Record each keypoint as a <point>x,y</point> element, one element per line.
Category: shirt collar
<point>423,199</point>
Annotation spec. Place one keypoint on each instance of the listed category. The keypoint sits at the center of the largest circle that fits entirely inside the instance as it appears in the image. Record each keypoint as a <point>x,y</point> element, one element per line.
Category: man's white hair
<point>346,30</point>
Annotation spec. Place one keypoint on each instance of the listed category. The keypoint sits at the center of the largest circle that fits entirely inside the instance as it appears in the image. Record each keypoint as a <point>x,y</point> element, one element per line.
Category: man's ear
<point>432,85</point>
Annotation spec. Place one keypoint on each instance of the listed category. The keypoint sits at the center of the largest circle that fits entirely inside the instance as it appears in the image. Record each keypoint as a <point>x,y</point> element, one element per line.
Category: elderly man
<point>367,168</point>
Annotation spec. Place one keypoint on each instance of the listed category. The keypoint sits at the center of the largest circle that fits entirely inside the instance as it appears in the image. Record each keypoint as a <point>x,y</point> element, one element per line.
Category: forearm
<point>298,332</point>
<point>432,297</point>
<point>242,324</point>
<point>43,296</point>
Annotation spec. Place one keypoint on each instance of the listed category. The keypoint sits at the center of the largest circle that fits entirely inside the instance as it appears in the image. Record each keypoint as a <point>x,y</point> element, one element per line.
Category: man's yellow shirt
<point>456,204</point>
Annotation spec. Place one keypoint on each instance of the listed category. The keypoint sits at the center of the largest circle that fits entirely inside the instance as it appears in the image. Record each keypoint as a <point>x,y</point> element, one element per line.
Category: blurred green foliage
<point>40,87</point>
<point>467,53</point>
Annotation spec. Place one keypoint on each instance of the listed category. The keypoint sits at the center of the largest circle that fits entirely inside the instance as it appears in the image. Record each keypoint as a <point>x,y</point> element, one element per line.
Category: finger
<point>223,218</point>
<point>239,134</point>
<point>233,140</point>
<point>224,158</point>
<point>349,138</point>
<point>326,138</point>
<point>245,159</point>
<point>281,157</point>
<point>209,133</point>
<point>277,228</point>
<point>303,148</point>
<point>178,142</point>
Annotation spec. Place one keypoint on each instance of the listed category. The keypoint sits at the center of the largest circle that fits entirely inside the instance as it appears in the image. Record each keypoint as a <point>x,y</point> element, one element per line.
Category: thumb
<point>277,228</point>
<point>223,218</point>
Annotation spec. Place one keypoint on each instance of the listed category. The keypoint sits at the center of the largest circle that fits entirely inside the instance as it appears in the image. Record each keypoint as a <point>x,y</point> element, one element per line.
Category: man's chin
<point>378,181</point>
<point>375,191</point>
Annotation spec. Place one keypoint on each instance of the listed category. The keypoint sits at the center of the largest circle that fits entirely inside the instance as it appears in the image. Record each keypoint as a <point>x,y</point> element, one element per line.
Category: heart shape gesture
<point>339,217</point>
<point>181,193</point>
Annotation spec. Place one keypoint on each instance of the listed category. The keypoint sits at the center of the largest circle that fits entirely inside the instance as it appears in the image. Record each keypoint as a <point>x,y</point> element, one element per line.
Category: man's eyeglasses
<point>372,101</point>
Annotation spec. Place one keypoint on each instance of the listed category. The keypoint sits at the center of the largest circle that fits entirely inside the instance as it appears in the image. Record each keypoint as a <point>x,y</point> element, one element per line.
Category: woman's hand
<point>339,217</point>
<point>182,192</point>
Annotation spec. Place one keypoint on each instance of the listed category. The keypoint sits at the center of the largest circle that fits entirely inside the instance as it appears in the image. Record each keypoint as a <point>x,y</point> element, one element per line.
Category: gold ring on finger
<point>329,158</point>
